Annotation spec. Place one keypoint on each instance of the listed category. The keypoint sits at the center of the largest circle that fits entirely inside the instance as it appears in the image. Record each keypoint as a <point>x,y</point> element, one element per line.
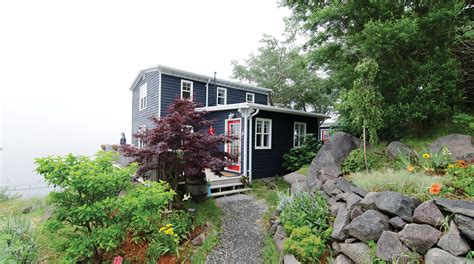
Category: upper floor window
<point>221,96</point>
<point>299,134</point>
<point>250,98</point>
<point>143,96</point>
<point>186,90</point>
<point>263,133</point>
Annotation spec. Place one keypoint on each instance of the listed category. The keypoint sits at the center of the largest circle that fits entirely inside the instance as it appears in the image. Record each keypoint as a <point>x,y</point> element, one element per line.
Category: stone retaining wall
<point>403,228</point>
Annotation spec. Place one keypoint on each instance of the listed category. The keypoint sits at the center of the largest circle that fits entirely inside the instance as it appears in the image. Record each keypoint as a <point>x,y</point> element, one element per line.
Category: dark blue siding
<point>142,117</point>
<point>234,96</point>
<point>219,118</point>
<point>171,90</point>
<point>268,162</point>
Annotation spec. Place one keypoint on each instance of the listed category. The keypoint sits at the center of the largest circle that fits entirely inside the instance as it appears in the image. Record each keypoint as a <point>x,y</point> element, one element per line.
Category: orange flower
<point>461,164</point>
<point>435,188</point>
<point>410,168</point>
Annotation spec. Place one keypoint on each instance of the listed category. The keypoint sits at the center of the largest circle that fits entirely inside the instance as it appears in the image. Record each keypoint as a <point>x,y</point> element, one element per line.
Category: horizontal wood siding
<point>219,118</point>
<point>140,118</point>
<point>234,96</point>
<point>268,162</point>
<point>171,90</point>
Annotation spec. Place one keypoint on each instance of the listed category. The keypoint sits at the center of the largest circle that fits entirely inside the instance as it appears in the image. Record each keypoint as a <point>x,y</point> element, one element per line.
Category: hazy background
<point>66,67</point>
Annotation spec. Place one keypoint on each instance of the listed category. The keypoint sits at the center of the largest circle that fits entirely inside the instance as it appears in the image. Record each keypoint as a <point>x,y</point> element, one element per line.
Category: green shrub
<point>461,177</point>
<point>303,155</point>
<point>18,242</point>
<point>402,181</point>
<point>426,161</point>
<point>307,246</point>
<point>304,209</point>
<point>182,222</point>
<point>465,122</point>
<point>96,204</point>
<point>165,241</point>
<point>355,161</point>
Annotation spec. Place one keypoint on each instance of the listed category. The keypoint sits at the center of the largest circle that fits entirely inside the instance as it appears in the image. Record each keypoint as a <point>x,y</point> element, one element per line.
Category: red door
<point>233,147</point>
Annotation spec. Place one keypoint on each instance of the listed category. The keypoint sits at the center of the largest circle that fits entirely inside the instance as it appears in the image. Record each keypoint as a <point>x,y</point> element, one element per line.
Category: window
<point>299,134</point>
<point>143,96</point>
<point>250,98</point>
<point>263,133</point>
<point>221,96</point>
<point>186,90</point>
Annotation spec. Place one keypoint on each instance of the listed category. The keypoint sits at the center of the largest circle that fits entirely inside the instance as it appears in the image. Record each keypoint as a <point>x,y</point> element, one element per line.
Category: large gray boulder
<point>357,252</point>
<point>368,226</point>
<point>439,256</point>
<point>369,201</point>
<point>294,177</point>
<point>348,187</point>
<point>456,206</point>
<point>396,204</point>
<point>465,225</point>
<point>290,259</point>
<point>453,242</point>
<point>428,213</point>
<point>419,237</point>
<point>342,219</point>
<point>390,248</point>
<point>397,222</point>
<point>298,187</point>
<point>396,147</point>
<point>342,259</point>
<point>460,146</point>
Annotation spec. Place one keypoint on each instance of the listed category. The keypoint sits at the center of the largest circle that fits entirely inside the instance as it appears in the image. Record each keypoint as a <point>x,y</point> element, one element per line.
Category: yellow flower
<point>169,225</point>
<point>450,166</point>
<point>162,229</point>
<point>410,168</point>
<point>426,156</point>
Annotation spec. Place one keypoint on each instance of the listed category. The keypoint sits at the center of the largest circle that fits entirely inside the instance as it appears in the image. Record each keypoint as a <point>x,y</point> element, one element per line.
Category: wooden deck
<point>228,184</point>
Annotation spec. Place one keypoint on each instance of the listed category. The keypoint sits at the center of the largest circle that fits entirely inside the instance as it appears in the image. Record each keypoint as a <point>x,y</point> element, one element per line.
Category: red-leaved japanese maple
<point>179,145</point>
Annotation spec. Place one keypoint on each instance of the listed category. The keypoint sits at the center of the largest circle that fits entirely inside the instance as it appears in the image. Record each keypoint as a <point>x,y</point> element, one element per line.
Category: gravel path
<point>241,238</point>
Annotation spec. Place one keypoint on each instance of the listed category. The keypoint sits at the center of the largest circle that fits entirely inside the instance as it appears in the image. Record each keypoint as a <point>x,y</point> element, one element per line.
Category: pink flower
<point>118,260</point>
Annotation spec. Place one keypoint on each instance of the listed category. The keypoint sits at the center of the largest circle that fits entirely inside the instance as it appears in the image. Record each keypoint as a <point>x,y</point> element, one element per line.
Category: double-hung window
<point>263,133</point>
<point>250,98</point>
<point>299,134</point>
<point>143,96</point>
<point>221,96</point>
<point>186,90</point>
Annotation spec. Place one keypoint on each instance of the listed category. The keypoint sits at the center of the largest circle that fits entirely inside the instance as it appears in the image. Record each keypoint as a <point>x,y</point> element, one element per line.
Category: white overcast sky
<point>66,66</point>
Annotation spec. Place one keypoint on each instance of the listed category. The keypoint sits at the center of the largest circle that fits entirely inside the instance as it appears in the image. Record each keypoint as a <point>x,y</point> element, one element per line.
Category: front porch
<point>229,183</point>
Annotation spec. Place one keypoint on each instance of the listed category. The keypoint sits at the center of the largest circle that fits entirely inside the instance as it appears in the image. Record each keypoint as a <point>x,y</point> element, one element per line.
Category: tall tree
<point>411,41</point>
<point>283,67</point>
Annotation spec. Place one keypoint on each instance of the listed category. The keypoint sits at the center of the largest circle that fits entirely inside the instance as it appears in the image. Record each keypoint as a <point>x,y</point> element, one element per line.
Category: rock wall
<point>403,228</point>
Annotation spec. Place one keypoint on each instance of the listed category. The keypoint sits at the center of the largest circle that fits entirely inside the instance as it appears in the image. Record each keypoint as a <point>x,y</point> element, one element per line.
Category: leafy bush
<point>303,155</point>
<point>307,246</point>
<point>465,122</point>
<point>17,240</point>
<point>355,161</point>
<point>304,209</point>
<point>181,221</point>
<point>96,204</point>
<point>460,176</point>
<point>402,181</point>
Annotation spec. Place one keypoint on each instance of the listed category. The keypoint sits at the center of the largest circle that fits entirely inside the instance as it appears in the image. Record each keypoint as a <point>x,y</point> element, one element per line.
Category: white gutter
<point>250,143</point>
<point>207,92</point>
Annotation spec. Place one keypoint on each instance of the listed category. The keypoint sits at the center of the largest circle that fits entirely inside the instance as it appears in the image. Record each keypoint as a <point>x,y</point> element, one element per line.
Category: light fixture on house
<point>231,115</point>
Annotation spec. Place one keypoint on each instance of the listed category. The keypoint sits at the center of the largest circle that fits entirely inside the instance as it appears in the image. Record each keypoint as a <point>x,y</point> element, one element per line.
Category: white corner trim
<point>269,134</point>
<point>159,95</point>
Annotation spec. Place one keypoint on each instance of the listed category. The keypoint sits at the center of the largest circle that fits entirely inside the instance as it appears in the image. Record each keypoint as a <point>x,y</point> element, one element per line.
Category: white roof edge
<point>261,107</point>
<point>196,76</point>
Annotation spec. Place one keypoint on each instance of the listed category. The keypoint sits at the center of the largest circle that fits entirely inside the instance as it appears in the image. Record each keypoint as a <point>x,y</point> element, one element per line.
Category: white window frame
<point>247,98</point>
<point>143,96</point>
<point>297,144</point>
<point>191,87</point>
<point>217,95</point>
<point>261,134</point>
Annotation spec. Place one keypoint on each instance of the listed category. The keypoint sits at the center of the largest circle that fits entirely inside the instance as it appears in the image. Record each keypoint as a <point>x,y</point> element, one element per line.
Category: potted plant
<point>179,147</point>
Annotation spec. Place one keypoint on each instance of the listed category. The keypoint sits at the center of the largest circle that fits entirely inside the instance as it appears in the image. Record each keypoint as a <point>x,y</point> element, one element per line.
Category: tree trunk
<point>365,149</point>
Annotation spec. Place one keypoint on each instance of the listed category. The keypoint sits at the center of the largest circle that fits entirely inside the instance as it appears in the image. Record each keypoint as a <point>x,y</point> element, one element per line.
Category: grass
<point>303,170</point>
<point>413,184</point>
<point>268,191</point>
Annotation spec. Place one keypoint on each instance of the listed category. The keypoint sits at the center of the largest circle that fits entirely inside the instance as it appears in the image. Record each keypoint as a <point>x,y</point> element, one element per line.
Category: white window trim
<point>144,96</point>
<point>253,97</point>
<point>225,95</point>
<point>269,134</point>
<point>189,82</point>
<point>301,138</point>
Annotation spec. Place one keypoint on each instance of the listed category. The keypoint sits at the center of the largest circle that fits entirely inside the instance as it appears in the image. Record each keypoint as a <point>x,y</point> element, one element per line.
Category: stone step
<point>230,192</point>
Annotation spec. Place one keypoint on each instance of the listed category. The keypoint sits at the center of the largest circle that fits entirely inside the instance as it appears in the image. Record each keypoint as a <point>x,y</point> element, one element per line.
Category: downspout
<point>245,115</point>
<point>207,92</point>
<point>250,143</point>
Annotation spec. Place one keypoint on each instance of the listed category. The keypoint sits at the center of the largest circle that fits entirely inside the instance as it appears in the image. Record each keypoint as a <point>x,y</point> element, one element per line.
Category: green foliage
<point>6,196</point>
<point>307,246</point>
<point>426,161</point>
<point>355,161</point>
<point>414,44</point>
<point>182,222</point>
<point>465,122</point>
<point>460,176</point>
<point>18,243</point>
<point>165,241</point>
<point>409,183</point>
<point>303,155</point>
<point>96,204</point>
<point>304,209</point>
<point>283,67</point>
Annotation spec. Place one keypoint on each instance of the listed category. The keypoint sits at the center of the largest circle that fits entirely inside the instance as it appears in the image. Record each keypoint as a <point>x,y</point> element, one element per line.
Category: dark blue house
<point>263,132</point>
